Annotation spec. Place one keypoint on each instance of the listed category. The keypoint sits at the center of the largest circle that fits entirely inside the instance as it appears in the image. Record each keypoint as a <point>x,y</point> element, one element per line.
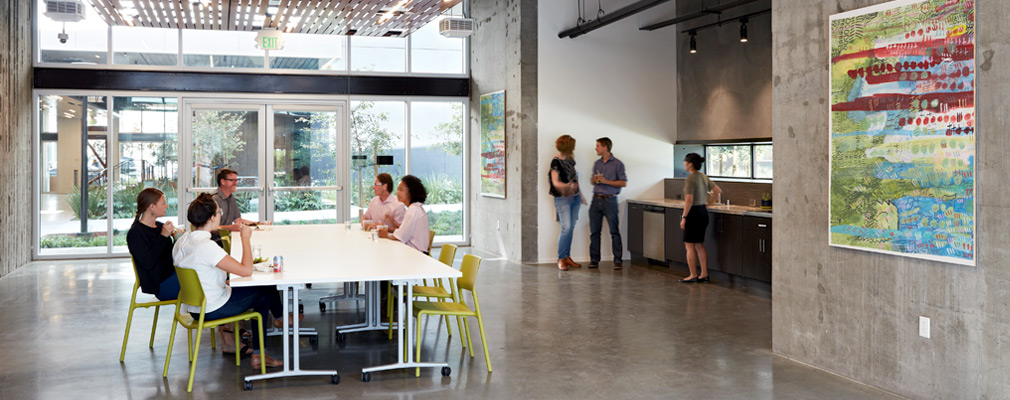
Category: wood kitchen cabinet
<point>757,248</point>
<point>635,240</point>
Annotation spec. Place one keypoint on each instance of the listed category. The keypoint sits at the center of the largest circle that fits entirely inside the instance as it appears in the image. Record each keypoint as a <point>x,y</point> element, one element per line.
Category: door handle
<point>762,226</point>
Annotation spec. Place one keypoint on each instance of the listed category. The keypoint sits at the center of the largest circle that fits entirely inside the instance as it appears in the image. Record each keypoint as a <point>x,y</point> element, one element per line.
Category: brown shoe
<point>572,263</point>
<point>271,362</point>
<point>562,265</point>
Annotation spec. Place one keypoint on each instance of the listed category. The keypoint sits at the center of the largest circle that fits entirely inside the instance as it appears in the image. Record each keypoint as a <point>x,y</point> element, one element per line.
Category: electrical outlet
<point>924,327</point>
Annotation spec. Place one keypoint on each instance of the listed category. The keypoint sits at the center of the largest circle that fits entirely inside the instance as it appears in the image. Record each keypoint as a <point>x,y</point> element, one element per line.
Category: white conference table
<point>331,254</point>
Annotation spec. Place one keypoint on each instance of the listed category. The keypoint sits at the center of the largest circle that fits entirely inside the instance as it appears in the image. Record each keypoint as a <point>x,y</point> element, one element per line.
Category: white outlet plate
<point>924,327</point>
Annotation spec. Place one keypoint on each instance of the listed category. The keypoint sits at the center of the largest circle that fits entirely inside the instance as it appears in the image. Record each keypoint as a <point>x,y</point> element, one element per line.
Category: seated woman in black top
<point>150,244</point>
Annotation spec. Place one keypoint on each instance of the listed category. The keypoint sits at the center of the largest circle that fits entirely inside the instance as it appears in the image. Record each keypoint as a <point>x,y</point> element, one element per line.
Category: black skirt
<point>695,225</point>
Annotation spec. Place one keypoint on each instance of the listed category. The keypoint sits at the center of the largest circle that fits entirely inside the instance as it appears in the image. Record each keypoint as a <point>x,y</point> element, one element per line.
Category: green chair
<point>192,294</point>
<point>446,256</point>
<point>135,305</point>
<point>225,239</point>
<point>389,289</point>
<point>471,264</point>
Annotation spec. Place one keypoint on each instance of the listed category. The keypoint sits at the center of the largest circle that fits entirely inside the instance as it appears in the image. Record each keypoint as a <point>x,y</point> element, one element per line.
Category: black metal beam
<point>708,11</point>
<point>726,21</point>
<point>223,82</point>
<point>607,19</point>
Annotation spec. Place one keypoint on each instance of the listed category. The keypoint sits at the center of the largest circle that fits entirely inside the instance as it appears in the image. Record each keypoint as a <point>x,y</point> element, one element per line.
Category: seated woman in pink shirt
<point>413,231</point>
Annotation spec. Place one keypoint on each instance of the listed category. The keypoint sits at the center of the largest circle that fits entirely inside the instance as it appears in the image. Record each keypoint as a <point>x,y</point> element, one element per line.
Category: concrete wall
<point>503,56</point>
<point>15,134</point>
<point>724,90</point>
<point>855,313</point>
<point>617,82</point>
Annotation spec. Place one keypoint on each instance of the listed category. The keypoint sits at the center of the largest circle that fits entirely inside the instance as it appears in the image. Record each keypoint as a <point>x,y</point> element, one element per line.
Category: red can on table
<point>278,263</point>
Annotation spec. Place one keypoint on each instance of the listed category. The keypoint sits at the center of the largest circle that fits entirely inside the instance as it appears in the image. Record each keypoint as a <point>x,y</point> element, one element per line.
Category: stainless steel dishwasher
<point>654,233</point>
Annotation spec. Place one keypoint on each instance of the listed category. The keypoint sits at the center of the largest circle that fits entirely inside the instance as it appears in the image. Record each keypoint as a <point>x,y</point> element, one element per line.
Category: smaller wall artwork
<point>492,144</point>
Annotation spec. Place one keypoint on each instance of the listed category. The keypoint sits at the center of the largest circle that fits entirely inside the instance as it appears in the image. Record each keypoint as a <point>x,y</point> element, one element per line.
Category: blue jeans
<point>599,209</point>
<point>262,299</point>
<point>169,289</point>
<point>568,213</point>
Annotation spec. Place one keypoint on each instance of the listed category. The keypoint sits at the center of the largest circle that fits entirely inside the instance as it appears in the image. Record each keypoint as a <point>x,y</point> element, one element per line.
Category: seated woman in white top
<point>414,230</point>
<point>384,209</point>
<point>195,250</point>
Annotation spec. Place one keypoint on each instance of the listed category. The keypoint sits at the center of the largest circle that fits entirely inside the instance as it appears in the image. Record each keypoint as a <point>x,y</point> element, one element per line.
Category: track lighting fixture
<point>743,30</point>
<point>694,43</point>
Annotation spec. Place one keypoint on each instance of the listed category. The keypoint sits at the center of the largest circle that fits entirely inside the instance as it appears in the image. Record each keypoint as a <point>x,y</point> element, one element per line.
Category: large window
<point>377,145</point>
<point>436,156</point>
<point>741,161</point>
<point>87,42</point>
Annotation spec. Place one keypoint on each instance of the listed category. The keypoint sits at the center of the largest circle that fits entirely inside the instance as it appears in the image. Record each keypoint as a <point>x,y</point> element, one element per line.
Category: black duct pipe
<point>712,10</point>
<point>608,19</point>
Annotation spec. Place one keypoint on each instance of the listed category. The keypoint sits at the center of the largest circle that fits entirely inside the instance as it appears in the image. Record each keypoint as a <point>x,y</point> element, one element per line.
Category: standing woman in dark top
<point>150,244</point>
<point>697,188</point>
<point>567,198</point>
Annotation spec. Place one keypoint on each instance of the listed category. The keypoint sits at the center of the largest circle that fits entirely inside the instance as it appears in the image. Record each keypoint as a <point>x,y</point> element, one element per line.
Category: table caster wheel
<point>308,286</point>
<point>322,307</point>
<point>335,379</point>
<point>366,376</point>
<point>247,386</point>
<point>341,337</point>
<point>446,371</point>
<point>314,340</point>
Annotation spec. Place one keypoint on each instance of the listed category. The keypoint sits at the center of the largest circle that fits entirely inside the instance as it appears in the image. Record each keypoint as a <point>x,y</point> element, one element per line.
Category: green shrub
<point>446,222</point>
<point>442,189</point>
<point>298,201</point>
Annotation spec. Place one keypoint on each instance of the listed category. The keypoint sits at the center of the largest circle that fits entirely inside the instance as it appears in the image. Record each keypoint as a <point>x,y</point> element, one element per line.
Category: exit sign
<point>270,43</point>
<point>269,39</point>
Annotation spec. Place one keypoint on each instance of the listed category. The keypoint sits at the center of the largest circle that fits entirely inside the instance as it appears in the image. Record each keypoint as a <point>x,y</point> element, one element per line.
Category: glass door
<point>219,136</point>
<point>305,185</point>
<point>286,157</point>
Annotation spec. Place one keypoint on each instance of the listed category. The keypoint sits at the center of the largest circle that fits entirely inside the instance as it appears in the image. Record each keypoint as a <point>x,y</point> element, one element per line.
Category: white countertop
<point>718,208</point>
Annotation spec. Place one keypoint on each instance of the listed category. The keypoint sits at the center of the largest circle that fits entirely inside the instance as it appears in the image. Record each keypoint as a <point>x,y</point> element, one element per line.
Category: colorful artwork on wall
<point>902,129</point>
<point>492,144</point>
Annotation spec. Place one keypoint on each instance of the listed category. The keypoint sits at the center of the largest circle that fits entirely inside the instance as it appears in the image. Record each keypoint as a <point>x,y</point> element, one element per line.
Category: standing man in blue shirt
<point>608,179</point>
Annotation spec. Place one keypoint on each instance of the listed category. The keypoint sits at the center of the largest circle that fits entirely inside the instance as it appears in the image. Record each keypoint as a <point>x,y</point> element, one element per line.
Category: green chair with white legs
<point>135,305</point>
<point>389,289</point>
<point>192,294</point>
<point>471,264</point>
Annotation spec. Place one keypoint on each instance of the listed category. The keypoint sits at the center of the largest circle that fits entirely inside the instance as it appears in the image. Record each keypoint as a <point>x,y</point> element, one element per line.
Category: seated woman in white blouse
<point>414,230</point>
<point>195,250</point>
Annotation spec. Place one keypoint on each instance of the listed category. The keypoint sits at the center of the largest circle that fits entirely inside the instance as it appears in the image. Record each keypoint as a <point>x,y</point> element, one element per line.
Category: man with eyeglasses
<point>231,217</point>
<point>383,208</point>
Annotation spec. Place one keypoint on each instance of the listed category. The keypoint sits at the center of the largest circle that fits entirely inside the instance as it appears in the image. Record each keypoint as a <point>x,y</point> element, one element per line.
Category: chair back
<point>136,276</point>
<point>431,239</point>
<point>469,267</point>
<point>448,254</point>
<point>191,291</point>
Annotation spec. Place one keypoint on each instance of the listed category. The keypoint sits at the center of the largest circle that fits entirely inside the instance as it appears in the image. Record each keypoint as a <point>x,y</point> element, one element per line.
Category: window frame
<point>753,161</point>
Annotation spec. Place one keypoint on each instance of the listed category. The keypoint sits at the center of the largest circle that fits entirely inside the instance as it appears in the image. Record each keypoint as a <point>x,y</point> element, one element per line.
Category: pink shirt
<point>414,230</point>
<point>378,209</point>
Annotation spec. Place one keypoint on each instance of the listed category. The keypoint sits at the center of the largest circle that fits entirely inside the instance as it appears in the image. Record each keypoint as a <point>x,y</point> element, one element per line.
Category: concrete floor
<point>583,334</point>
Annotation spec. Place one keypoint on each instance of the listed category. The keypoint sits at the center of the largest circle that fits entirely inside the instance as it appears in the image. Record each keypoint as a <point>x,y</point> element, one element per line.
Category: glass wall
<point>146,155</point>
<point>74,167</point>
<point>305,167</point>
<point>377,146</point>
<point>87,42</point>
<point>436,156</point>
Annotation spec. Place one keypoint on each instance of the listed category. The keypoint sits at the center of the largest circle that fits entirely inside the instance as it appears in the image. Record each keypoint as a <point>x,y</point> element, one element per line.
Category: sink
<point>764,214</point>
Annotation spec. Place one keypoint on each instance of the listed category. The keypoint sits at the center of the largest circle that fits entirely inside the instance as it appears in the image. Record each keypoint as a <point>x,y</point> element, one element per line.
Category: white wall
<point>617,82</point>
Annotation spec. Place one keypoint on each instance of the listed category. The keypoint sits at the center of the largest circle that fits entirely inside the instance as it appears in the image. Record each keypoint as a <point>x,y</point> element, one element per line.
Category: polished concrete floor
<point>585,334</point>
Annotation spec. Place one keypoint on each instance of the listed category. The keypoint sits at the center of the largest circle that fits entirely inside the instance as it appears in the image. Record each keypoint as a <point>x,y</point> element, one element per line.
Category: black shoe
<point>618,266</point>
<point>701,279</point>
<point>594,264</point>
<point>692,280</point>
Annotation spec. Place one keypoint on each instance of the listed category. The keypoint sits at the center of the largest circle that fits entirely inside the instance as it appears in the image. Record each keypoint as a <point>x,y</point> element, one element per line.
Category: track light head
<point>694,43</point>
<point>743,30</point>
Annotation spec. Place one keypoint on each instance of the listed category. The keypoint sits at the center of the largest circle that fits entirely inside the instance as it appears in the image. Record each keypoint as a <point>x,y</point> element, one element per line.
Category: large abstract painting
<point>492,144</point>
<point>903,129</point>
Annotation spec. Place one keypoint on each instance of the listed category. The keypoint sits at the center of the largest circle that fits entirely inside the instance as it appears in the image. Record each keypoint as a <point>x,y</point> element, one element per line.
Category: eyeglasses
<point>230,180</point>
<point>220,212</point>
<point>378,184</point>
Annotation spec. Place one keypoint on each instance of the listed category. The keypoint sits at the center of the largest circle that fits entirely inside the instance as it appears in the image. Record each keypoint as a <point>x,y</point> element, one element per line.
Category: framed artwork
<point>902,130</point>
<point>492,144</point>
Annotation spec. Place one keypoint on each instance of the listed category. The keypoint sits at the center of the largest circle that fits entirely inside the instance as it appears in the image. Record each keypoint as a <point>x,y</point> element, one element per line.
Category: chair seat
<point>443,308</point>
<point>430,291</point>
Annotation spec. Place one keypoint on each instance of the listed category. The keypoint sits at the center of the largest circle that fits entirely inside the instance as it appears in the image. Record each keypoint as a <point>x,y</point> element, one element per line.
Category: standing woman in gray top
<point>697,188</point>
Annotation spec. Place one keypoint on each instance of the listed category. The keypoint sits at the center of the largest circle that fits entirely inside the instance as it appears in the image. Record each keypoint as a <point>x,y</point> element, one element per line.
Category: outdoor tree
<point>369,137</point>
<point>215,141</point>
<point>450,134</point>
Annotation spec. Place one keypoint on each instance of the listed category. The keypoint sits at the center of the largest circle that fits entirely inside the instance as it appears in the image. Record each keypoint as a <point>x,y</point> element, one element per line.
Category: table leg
<point>403,361</point>
<point>373,312</point>
<point>292,359</point>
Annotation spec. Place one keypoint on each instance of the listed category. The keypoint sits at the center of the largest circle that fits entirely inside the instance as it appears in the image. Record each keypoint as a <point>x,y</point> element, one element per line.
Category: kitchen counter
<point>719,208</point>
